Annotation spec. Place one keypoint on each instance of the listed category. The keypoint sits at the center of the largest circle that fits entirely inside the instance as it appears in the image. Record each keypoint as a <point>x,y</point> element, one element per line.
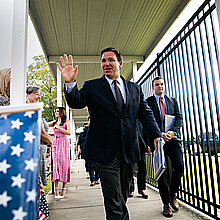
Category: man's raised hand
<point>66,68</point>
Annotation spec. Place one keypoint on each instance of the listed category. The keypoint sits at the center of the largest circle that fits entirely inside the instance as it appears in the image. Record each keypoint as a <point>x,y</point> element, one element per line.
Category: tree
<point>39,74</point>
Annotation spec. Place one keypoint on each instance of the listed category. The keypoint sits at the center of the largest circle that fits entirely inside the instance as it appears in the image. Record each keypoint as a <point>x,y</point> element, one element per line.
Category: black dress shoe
<point>92,183</point>
<point>173,202</point>
<point>167,211</point>
<point>131,194</point>
<point>143,194</point>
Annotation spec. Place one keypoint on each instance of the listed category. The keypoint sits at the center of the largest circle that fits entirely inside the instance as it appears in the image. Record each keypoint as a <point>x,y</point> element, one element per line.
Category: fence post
<point>158,64</point>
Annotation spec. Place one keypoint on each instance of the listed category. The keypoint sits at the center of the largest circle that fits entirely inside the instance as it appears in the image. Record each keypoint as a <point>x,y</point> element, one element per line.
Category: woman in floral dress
<point>61,151</point>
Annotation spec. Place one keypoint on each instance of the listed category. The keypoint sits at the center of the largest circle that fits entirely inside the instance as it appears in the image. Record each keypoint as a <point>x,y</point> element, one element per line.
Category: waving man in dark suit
<point>161,105</point>
<point>114,105</point>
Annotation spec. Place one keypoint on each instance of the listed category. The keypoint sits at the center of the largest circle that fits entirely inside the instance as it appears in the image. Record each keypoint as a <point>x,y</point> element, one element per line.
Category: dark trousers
<point>92,172</point>
<point>115,179</point>
<point>141,175</point>
<point>174,152</point>
<point>86,166</point>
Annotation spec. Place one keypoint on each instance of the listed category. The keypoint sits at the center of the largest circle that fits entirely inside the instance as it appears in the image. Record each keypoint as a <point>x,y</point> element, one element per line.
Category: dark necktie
<point>118,96</point>
<point>162,109</point>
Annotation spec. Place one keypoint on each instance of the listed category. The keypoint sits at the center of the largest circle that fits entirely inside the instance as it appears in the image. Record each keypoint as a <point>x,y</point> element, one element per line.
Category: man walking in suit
<point>161,105</point>
<point>114,105</point>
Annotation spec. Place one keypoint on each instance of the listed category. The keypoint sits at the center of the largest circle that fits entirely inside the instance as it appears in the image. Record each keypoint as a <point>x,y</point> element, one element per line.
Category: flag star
<point>31,195</point>
<point>4,138</point>
<point>19,214</point>
<point>16,124</point>
<point>29,136</point>
<point>4,166</point>
<point>17,180</point>
<point>30,165</point>
<point>16,150</point>
<point>29,114</point>
<point>4,116</point>
<point>4,199</point>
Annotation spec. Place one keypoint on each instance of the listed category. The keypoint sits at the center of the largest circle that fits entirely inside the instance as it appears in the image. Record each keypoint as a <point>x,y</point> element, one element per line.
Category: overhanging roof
<point>84,27</point>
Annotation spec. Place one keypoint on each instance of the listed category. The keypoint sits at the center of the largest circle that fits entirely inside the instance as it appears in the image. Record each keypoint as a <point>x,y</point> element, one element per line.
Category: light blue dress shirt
<point>69,86</point>
<point>158,101</point>
<point>121,86</point>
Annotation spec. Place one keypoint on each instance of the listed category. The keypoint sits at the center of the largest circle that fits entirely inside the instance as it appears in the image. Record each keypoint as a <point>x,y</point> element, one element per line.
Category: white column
<point>134,66</point>
<point>59,89</point>
<point>19,52</point>
<point>67,112</point>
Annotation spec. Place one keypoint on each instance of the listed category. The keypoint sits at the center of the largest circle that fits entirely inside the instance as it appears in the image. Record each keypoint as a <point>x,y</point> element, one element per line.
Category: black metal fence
<point>191,70</point>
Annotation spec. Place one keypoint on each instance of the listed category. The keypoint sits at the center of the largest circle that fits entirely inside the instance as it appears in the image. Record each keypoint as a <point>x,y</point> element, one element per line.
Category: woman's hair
<point>62,113</point>
<point>5,76</point>
<point>32,89</point>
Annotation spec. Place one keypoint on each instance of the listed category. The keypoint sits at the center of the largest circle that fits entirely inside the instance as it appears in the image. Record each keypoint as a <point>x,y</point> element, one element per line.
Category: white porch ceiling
<point>84,27</point>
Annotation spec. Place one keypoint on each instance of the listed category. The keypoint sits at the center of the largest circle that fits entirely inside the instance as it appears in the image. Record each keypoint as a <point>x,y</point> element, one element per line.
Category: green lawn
<point>49,185</point>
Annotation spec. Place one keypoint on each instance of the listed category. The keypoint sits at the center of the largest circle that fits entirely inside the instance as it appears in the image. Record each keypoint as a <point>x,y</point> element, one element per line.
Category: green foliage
<point>39,74</point>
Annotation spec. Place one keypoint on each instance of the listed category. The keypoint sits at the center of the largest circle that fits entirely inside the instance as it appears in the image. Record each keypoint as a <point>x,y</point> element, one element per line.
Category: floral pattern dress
<point>61,156</point>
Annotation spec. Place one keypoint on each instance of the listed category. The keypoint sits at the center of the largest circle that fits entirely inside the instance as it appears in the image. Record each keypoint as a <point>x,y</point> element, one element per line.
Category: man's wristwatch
<point>175,134</point>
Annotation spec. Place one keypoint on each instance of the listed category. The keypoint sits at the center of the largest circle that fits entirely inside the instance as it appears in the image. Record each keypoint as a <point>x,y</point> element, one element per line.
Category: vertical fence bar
<point>188,114</point>
<point>190,67</point>
<point>182,107</point>
<point>194,183</point>
<point>194,86</point>
<point>217,98</point>
<point>204,85</point>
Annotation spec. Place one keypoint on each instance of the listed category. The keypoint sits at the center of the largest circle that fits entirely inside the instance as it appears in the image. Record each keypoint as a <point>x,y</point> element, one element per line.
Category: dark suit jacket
<point>108,130</point>
<point>142,138</point>
<point>172,109</point>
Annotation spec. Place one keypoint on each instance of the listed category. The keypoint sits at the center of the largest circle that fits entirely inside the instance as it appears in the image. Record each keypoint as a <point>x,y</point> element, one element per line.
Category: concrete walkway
<point>83,202</point>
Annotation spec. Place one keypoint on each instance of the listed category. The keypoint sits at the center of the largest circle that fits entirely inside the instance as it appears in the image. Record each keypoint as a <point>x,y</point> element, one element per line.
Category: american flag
<point>43,207</point>
<point>19,159</point>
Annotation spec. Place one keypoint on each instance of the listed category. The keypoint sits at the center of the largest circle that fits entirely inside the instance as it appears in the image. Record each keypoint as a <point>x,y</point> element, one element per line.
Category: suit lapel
<point>156,107</point>
<point>157,111</point>
<point>168,104</point>
<point>127,92</point>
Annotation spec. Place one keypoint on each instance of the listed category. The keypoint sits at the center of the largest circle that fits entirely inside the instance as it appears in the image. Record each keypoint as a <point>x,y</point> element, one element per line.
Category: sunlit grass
<point>197,180</point>
<point>49,185</point>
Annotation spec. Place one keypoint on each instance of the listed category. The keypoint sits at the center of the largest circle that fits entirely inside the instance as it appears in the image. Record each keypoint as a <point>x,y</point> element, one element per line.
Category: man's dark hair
<point>85,124</point>
<point>156,78</point>
<point>117,52</point>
